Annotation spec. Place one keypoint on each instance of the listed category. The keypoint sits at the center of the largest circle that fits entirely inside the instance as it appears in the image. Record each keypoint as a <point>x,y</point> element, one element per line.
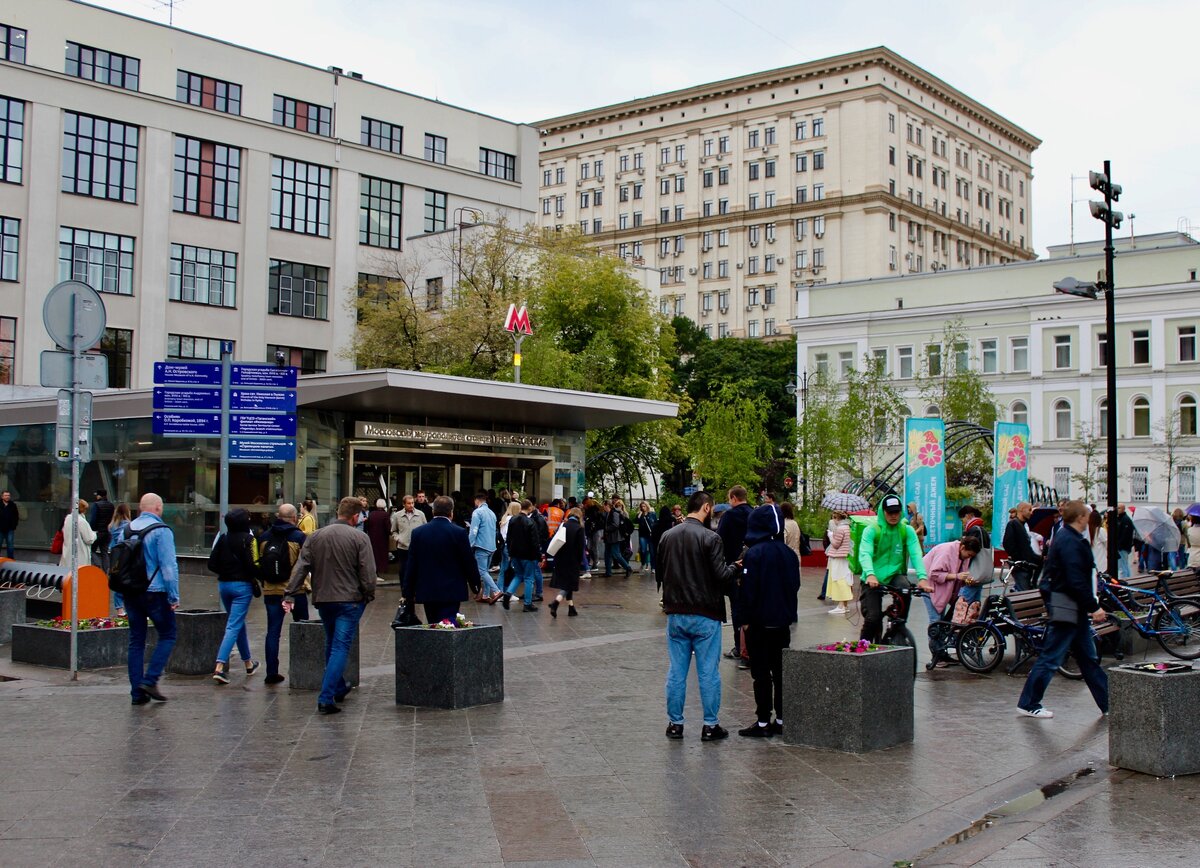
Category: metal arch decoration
<point>617,468</point>
<point>959,436</point>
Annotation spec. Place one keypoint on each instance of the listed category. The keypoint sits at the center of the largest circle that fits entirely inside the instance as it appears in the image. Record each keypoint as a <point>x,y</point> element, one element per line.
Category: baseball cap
<point>891,503</point>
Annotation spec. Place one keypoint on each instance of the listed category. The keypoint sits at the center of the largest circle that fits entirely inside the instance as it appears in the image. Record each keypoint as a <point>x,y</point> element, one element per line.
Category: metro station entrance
<point>384,472</point>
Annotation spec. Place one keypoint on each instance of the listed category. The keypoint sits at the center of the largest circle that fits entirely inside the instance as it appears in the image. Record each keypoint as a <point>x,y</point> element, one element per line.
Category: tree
<point>867,417</point>
<point>1088,446</point>
<point>1169,450</point>
<point>823,450</point>
<point>729,443</point>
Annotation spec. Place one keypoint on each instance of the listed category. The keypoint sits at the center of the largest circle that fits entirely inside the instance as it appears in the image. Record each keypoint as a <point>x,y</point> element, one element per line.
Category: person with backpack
<point>276,551</point>
<point>144,570</point>
<point>99,516</point>
<point>116,532</point>
<point>232,559</point>
<point>885,552</point>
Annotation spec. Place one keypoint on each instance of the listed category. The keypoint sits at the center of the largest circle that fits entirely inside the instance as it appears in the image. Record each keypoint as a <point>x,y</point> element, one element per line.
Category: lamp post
<point>801,396</point>
<point>1102,182</point>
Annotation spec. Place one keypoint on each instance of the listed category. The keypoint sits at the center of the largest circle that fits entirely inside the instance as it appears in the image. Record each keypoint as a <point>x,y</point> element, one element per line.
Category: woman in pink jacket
<point>948,566</point>
<point>841,580</point>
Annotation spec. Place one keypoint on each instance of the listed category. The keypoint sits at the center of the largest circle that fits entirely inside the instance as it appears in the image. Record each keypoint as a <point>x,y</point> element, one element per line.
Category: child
<point>841,580</point>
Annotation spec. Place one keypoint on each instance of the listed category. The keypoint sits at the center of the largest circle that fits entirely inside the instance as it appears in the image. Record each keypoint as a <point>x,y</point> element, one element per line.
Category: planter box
<point>12,611</point>
<point>848,702</point>
<point>1151,722</point>
<point>449,668</point>
<point>46,646</point>
<point>198,635</point>
<point>306,656</point>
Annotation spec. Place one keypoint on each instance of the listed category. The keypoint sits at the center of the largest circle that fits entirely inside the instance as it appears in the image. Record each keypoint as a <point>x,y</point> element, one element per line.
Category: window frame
<point>381,212</point>
<point>435,148</point>
<point>202,271</point>
<point>373,133</point>
<point>80,126</point>
<point>315,296</point>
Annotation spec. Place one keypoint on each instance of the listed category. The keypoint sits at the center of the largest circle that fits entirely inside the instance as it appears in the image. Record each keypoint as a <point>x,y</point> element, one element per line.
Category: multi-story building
<point>1043,355</point>
<point>745,191</point>
<point>214,192</point>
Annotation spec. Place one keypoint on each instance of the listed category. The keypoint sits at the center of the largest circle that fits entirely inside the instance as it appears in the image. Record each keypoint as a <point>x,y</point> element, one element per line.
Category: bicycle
<point>895,631</point>
<point>1174,624</point>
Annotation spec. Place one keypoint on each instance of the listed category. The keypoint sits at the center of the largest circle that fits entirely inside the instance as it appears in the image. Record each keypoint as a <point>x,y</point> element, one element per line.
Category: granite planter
<point>47,646</point>
<point>198,635</point>
<point>449,668</point>
<point>12,611</point>
<point>848,702</point>
<point>306,656</point>
<point>1152,721</point>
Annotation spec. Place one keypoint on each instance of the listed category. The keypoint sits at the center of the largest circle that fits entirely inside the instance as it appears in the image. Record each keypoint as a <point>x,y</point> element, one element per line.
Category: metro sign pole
<point>517,322</point>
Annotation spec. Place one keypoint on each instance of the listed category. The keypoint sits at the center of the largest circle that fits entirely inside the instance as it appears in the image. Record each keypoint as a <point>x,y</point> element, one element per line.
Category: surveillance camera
<point>280,359</point>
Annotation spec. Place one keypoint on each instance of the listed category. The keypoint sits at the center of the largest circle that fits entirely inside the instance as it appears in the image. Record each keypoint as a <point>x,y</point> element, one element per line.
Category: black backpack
<point>274,558</point>
<point>127,563</point>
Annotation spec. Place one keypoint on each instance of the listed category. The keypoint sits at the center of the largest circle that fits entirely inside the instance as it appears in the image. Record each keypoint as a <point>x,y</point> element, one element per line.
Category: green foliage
<point>763,367</point>
<point>728,442</point>
<point>868,418</point>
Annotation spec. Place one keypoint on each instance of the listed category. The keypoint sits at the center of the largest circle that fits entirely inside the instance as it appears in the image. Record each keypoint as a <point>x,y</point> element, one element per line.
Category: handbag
<point>558,540</point>
<point>405,616</point>
<point>981,567</point>
<point>56,544</point>
<point>1063,609</point>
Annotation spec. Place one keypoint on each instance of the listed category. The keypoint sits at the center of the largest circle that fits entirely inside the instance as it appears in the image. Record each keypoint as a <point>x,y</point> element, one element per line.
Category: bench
<point>1181,583</point>
<point>1029,608</point>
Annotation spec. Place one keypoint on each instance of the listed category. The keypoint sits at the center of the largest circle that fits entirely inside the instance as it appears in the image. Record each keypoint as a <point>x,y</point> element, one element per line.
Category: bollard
<point>306,656</point>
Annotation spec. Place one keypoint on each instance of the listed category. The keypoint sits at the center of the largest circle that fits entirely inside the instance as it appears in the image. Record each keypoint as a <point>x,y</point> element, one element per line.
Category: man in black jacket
<point>99,514</point>
<point>9,519</point>
<point>732,530</point>
<point>440,567</point>
<point>1124,542</point>
<point>696,580</point>
<point>1017,546</point>
<point>525,552</point>
<point>1068,585</point>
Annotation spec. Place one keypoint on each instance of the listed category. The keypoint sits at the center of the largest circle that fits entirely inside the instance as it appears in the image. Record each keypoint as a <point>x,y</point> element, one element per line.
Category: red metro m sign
<point>517,320</point>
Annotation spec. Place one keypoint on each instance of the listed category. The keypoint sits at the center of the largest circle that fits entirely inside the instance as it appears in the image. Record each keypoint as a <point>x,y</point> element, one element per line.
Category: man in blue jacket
<point>157,604</point>
<point>482,536</point>
<point>732,531</point>
<point>440,567</point>
<point>767,592</point>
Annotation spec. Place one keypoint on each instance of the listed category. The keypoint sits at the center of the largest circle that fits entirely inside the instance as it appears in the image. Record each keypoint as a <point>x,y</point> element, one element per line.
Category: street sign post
<point>242,451</point>
<point>58,370</point>
<point>66,440</point>
<point>195,399</point>
<point>187,374</point>
<point>167,423</point>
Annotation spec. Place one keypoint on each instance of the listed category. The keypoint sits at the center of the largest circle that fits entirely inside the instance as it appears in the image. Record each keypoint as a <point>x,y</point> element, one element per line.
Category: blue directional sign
<point>265,426</point>
<point>263,400</point>
<point>263,375</point>
<point>169,424</point>
<point>187,374</point>
<point>187,399</point>
<point>261,450</point>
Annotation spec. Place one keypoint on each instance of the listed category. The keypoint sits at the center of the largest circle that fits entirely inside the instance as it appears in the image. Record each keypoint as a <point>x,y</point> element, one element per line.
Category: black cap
<point>891,503</point>
<point>969,509</point>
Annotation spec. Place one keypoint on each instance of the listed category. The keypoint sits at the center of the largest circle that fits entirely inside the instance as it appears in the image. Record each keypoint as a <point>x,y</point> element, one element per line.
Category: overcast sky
<point>1093,80</point>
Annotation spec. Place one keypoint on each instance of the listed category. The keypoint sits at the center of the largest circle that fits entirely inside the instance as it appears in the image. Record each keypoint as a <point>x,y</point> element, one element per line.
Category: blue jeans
<point>1060,638</point>
<point>154,606</point>
<point>6,540</point>
<point>274,604</point>
<point>483,560</point>
<point>643,549</point>
<point>970,594</point>
<point>527,572</point>
<point>341,626</point>
<point>612,551</point>
<point>688,634</point>
<point>1123,565</point>
<point>235,597</point>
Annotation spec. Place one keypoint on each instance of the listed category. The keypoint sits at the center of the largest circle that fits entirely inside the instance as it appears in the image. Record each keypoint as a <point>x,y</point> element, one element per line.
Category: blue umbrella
<point>1194,509</point>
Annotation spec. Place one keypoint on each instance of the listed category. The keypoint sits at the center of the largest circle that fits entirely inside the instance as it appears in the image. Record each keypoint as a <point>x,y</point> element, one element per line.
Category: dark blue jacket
<point>732,530</point>
<point>440,565</point>
<point>770,577</point>
<point>1069,569</point>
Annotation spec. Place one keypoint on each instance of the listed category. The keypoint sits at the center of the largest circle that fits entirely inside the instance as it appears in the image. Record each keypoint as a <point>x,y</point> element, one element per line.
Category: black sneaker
<point>757,730</point>
<point>554,609</point>
<point>528,608</point>
<point>776,727</point>
<point>733,654</point>
<point>505,600</point>
<point>328,709</point>
<point>142,699</point>
<point>714,733</point>
<point>675,730</point>
<point>151,691</point>
<point>539,598</point>
<point>274,679</point>
<point>743,663</point>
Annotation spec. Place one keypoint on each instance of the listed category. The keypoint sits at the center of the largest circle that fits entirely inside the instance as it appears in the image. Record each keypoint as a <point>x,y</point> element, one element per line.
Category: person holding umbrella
<point>1193,535</point>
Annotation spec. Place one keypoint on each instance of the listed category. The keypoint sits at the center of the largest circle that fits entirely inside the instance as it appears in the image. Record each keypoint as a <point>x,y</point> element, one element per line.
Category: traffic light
<point>1103,211</point>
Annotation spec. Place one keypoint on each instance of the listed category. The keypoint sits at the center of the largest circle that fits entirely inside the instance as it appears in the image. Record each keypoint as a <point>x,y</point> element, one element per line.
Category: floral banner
<point>925,473</point>
<point>1011,484</point>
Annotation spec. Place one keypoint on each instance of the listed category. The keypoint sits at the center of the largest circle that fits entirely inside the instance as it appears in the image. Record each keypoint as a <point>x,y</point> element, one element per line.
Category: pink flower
<point>930,455</point>
<point>1016,458</point>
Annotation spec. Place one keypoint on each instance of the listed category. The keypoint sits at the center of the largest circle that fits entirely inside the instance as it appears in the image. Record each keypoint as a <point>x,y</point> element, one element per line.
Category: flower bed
<point>50,644</point>
<point>460,622</point>
<point>845,646</point>
<point>61,623</point>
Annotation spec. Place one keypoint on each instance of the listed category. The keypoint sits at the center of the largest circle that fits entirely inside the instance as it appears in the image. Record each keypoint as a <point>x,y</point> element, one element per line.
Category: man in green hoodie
<point>882,552</point>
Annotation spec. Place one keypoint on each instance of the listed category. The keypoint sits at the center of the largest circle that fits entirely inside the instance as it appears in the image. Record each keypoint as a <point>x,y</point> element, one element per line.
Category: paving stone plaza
<point>572,769</point>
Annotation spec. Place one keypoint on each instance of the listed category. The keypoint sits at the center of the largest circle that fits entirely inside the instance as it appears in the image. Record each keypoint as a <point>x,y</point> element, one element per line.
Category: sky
<point>1094,80</point>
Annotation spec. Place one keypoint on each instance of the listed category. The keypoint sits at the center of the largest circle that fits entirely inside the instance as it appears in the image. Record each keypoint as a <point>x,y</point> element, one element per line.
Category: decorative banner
<point>1011,483</point>
<point>925,473</point>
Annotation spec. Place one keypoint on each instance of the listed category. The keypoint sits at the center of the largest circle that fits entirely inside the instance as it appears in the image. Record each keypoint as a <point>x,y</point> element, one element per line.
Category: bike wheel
<point>1183,618</point>
<point>981,648</point>
<point>941,637</point>
<point>898,634</point>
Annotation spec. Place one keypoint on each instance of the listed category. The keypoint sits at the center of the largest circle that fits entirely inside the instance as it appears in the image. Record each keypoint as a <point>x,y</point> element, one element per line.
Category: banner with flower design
<point>925,473</point>
<point>1011,483</point>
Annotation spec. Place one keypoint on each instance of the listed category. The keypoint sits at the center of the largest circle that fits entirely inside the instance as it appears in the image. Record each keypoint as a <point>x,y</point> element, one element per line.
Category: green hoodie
<point>881,552</point>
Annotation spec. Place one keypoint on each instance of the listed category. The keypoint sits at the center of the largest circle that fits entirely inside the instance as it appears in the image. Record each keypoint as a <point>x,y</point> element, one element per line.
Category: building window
<point>379,212</point>
<point>1141,346</point>
<point>904,362</point>
<point>1187,416</point>
<point>383,136</point>
<point>1102,418</point>
<point>12,43</point>
<point>1062,351</point>
<point>962,358</point>
<point>1019,413</point>
<point>821,360</point>
<point>1185,483</point>
<point>1187,343</point>
<point>102,260</point>
<point>495,164</point>
<point>300,115</point>
<point>106,67</point>
<point>1062,481</point>
<point>300,196</point>
<point>1062,420</point>
<point>10,245</point>
<point>189,347</point>
<point>989,355</point>
<point>12,139</point>
<point>818,127</point>
<point>200,275</point>
<point>117,346</point>
<point>99,157</point>
<point>435,211</point>
<point>8,349</point>
<point>1141,416</point>
<point>296,289</point>
<point>207,178</point>
<point>933,360</point>
<point>1139,483</point>
<point>307,361</point>
<point>435,148</point>
<point>207,92</point>
<point>818,160</point>
<point>1020,353</point>
<point>752,329</point>
<point>1102,349</point>
<point>433,293</point>
<point>845,363</point>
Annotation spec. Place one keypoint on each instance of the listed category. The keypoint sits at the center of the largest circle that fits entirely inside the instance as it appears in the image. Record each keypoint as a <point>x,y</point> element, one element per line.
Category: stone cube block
<point>12,611</point>
<point>1152,721</point>
<point>48,646</point>
<point>306,656</point>
<point>449,668</point>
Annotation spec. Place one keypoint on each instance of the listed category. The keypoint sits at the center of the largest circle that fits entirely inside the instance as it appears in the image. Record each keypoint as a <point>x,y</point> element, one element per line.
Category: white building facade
<point>214,192</point>
<point>1042,354</point>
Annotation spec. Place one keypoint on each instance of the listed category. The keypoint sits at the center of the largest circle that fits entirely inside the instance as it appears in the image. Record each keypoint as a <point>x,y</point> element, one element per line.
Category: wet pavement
<point>572,769</point>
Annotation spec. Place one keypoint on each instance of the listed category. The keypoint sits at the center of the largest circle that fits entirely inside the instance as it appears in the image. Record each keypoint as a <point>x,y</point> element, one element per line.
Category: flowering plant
<point>460,622</point>
<point>61,623</point>
<point>862,646</point>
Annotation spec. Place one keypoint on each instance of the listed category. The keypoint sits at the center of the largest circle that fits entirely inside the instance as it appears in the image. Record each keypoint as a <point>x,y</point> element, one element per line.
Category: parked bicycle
<point>895,629</point>
<point>1174,624</point>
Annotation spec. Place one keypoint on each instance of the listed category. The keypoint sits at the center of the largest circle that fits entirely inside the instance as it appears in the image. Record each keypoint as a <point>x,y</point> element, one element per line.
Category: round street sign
<point>89,313</point>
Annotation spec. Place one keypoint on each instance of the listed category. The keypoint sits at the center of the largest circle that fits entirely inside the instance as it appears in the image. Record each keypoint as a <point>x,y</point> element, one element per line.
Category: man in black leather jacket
<point>696,581</point>
<point>1017,546</point>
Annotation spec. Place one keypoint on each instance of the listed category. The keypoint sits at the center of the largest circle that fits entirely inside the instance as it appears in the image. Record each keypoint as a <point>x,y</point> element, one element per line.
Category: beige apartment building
<point>744,192</point>
<point>213,192</point>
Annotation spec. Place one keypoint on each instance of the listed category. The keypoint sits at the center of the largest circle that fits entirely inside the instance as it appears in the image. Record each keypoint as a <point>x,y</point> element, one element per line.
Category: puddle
<point>9,678</point>
<point>1019,805</point>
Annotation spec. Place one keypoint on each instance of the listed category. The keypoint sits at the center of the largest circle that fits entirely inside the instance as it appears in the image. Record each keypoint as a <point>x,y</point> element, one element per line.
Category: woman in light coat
<point>841,580</point>
<point>83,542</point>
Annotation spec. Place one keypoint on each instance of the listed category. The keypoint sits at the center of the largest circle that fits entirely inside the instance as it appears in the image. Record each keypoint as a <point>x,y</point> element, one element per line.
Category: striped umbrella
<point>844,501</point>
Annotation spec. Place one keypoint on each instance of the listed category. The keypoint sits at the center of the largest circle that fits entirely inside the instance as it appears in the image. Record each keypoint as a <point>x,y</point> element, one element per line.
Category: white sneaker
<point>840,610</point>
<point>586,575</point>
<point>1037,712</point>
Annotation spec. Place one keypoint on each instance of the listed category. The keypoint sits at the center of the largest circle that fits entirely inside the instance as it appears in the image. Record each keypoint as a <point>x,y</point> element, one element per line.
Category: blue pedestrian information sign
<point>188,374</point>
<point>186,399</point>
<point>263,400</point>
<point>264,426</point>
<point>168,424</point>
<point>262,375</point>
<point>259,451</point>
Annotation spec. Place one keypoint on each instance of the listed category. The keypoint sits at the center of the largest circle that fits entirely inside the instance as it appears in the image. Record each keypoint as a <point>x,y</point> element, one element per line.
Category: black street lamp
<point>802,411</point>
<point>1102,183</point>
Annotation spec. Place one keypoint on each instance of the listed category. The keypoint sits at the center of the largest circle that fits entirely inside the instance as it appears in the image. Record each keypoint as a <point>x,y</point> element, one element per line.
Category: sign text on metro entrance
<point>245,424</point>
<point>262,375</point>
<point>187,374</point>
<point>257,451</point>
<point>263,400</point>
<point>186,399</point>
<point>168,424</point>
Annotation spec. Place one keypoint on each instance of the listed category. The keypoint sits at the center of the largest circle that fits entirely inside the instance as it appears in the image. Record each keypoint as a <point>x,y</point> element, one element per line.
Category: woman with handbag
<point>83,540</point>
<point>232,559</point>
<point>568,563</point>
